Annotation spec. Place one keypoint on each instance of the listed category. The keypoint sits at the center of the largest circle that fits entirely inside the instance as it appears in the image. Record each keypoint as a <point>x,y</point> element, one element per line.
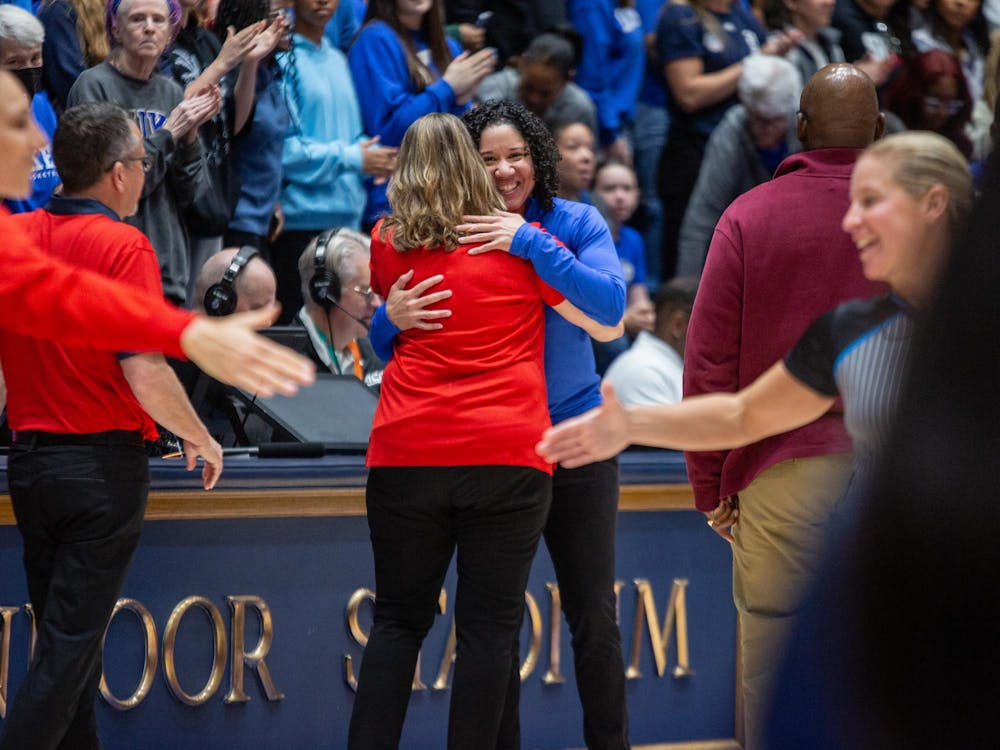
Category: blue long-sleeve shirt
<point>389,103</point>
<point>257,153</point>
<point>583,265</point>
<point>61,50</point>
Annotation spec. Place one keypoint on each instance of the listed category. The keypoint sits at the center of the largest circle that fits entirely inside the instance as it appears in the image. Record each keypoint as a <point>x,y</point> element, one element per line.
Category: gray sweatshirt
<point>178,175</point>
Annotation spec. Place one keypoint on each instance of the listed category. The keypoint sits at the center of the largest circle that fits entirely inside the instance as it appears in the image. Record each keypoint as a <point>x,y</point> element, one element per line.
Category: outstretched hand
<point>230,350</point>
<point>595,435</point>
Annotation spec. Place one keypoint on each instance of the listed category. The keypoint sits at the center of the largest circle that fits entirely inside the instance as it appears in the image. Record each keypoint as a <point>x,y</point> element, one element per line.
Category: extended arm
<point>774,403</point>
<point>596,330</point>
<point>161,395</point>
<point>591,278</point>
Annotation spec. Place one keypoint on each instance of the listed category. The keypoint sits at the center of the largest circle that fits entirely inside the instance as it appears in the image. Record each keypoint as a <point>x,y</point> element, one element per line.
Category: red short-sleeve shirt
<point>78,389</point>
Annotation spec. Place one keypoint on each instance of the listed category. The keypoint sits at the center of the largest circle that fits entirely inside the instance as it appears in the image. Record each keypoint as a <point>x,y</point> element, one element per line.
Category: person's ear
<point>801,123</point>
<point>936,202</point>
<point>879,126</point>
<point>118,176</point>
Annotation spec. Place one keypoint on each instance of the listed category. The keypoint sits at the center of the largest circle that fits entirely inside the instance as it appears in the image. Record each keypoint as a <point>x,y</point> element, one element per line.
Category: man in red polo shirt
<point>44,297</point>
<point>78,471</point>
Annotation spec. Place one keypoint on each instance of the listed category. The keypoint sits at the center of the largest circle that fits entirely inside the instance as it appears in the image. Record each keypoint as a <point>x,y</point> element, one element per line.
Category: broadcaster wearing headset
<point>339,304</point>
<point>234,280</point>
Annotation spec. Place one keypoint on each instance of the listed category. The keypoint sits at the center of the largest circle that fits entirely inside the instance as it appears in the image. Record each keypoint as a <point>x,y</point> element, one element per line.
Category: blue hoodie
<point>44,178</point>
<point>321,160</point>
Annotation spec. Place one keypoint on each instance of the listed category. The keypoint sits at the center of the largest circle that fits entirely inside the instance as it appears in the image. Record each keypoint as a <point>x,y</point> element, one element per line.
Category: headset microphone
<point>349,314</point>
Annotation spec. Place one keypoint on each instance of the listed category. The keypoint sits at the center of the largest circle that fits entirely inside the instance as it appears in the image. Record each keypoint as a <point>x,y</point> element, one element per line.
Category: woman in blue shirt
<point>406,67</point>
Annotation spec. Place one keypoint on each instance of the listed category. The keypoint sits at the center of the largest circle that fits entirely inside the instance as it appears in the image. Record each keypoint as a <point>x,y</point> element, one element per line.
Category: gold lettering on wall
<point>6,613</point>
<point>33,629</point>
<point>535,618</point>
<point>645,612</point>
<point>255,657</point>
<point>357,634</point>
<point>149,665</point>
<point>553,676</point>
<point>218,660</point>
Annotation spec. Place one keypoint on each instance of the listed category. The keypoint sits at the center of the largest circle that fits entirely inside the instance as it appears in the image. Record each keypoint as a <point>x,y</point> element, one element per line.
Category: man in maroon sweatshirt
<point>778,259</point>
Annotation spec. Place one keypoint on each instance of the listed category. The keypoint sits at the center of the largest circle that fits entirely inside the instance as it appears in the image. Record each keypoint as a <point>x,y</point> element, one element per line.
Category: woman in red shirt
<point>451,451</point>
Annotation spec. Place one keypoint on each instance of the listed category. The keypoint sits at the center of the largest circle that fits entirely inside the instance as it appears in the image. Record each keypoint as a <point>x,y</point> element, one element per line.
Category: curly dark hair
<point>541,144</point>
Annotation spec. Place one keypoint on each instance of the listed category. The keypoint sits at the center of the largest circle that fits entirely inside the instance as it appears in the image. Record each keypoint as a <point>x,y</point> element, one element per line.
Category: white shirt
<point>649,372</point>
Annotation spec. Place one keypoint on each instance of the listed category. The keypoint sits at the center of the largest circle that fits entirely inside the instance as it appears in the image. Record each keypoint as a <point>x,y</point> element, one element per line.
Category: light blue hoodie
<point>321,160</point>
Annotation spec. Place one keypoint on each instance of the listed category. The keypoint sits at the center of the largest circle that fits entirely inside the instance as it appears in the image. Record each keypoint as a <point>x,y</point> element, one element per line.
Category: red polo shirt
<point>47,298</point>
<point>472,393</point>
<point>78,389</point>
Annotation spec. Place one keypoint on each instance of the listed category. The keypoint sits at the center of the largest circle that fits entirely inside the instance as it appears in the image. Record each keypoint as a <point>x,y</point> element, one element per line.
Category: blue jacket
<point>390,105</point>
<point>322,156</point>
<point>584,268</point>
<point>44,178</point>
<point>257,152</point>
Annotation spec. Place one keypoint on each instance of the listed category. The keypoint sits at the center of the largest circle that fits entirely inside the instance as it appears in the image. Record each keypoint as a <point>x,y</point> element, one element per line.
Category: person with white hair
<point>742,152</point>
<point>21,37</point>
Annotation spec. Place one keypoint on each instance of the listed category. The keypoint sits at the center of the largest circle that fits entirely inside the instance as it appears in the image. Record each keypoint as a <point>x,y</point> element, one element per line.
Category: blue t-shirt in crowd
<point>632,253</point>
<point>44,178</point>
<point>680,34</point>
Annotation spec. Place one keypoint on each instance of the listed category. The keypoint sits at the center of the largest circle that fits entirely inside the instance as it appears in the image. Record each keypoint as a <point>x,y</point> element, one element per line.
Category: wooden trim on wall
<point>177,505</point>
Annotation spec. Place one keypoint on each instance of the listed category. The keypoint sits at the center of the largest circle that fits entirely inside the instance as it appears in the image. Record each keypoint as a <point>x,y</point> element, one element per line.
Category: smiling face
<point>889,227</point>
<point>20,138</point>
<point>508,160</point>
<point>576,163</point>
<point>143,29</point>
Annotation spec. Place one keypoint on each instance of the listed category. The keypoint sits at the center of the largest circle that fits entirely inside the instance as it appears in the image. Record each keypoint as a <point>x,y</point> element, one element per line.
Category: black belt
<point>31,438</point>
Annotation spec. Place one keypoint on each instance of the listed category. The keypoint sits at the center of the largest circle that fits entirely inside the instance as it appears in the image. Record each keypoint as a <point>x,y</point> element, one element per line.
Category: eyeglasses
<point>951,107</point>
<point>365,291</point>
<point>147,162</point>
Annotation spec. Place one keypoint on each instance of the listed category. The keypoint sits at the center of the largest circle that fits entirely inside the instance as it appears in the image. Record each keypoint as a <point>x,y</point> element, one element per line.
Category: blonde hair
<point>91,31</point>
<point>919,160</point>
<point>439,178</point>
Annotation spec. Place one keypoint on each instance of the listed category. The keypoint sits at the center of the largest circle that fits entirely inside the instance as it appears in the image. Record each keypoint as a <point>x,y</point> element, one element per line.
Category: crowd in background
<point>268,122</point>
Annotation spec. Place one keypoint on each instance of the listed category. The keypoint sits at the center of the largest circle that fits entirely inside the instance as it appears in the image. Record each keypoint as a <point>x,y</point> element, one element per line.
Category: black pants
<point>580,536</point>
<point>417,517</point>
<point>79,509</point>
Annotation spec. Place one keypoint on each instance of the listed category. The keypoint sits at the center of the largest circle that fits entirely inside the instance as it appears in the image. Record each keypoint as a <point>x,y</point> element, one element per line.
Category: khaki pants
<point>777,549</point>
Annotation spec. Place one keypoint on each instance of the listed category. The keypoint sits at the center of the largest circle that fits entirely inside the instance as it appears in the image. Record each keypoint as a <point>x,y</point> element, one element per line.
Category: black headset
<point>221,298</point>
<point>324,286</point>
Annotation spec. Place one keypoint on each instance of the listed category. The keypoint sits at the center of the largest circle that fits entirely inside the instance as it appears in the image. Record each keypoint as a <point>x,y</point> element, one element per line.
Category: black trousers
<point>418,516</point>
<point>79,509</point>
<point>580,536</point>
